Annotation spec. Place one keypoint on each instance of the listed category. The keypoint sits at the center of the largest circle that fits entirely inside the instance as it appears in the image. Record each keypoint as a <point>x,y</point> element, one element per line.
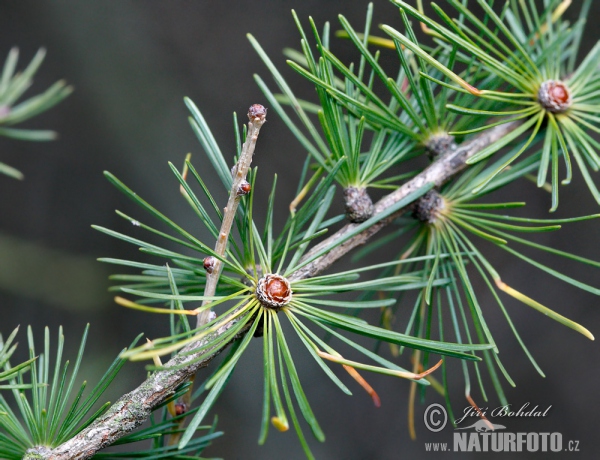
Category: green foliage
<point>513,62</point>
<point>342,126</point>
<point>159,432</point>
<point>414,116</point>
<point>458,222</point>
<point>7,349</point>
<point>364,133</point>
<point>523,50</point>
<point>12,87</point>
<point>47,418</point>
<point>51,408</point>
<point>238,307</point>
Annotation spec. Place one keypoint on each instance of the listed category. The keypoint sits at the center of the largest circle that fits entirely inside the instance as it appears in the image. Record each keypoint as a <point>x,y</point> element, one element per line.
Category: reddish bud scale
<point>180,408</point>
<point>257,111</point>
<point>273,291</point>
<point>209,264</point>
<point>554,96</point>
<point>244,188</point>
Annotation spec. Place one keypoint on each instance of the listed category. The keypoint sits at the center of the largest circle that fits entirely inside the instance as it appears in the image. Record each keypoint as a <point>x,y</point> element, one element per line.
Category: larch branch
<point>135,407</point>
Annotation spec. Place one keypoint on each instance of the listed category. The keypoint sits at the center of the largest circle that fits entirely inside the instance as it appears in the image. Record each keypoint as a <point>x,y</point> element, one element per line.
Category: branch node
<point>438,144</point>
<point>358,204</point>
<point>428,207</point>
<point>37,453</point>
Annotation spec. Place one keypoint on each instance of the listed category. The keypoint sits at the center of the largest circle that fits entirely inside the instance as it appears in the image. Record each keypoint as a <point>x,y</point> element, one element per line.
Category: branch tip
<point>257,112</point>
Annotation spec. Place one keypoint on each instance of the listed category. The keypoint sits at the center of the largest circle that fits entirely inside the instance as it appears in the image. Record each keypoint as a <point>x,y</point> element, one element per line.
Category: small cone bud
<point>273,291</point>
<point>209,264</point>
<point>244,188</point>
<point>554,96</point>
<point>180,408</point>
<point>257,111</point>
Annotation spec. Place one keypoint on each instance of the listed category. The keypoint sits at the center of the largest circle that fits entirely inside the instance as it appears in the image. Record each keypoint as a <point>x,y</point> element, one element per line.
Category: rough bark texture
<point>358,204</point>
<point>134,408</point>
<point>440,171</point>
<point>427,208</point>
<point>439,144</point>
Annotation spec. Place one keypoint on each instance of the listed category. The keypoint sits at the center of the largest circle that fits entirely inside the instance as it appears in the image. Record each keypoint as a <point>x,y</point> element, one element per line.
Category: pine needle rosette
<point>532,56</point>
<point>454,221</point>
<point>483,221</point>
<point>8,372</point>
<point>12,87</point>
<point>347,145</point>
<point>254,310</point>
<point>416,107</point>
<point>257,289</point>
<point>50,409</point>
<point>410,117</point>
<point>42,416</point>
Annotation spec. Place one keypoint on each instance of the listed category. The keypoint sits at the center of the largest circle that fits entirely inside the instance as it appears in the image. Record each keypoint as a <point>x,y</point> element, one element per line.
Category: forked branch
<point>135,407</point>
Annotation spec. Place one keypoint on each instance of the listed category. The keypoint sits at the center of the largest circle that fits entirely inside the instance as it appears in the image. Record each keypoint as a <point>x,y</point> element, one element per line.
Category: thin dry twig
<point>257,115</point>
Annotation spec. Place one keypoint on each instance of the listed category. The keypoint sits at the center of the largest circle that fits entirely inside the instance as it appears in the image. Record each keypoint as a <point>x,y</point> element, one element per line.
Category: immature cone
<point>427,208</point>
<point>273,291</point>
<point>358,204</point>
<point>257,111</point>
<point>554,96</point>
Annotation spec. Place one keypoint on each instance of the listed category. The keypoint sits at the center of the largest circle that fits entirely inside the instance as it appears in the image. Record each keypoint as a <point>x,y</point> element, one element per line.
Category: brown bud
<point>257,111</point>
<point>273,291</point>
<point>180,408</point>
<point>554,96</point>
<point>209,264</point>
<point>428,207</point>
<point>358,204</point>
<point>244,188</point>
<point>438,144</point>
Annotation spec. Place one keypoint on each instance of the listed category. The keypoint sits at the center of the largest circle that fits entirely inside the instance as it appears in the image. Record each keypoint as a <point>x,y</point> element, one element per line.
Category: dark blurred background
<point>131,63</point>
